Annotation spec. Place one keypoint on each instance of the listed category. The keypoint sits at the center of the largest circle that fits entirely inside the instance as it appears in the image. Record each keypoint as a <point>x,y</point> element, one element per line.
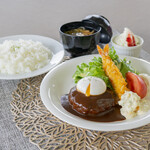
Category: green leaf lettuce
<point>94,68</point>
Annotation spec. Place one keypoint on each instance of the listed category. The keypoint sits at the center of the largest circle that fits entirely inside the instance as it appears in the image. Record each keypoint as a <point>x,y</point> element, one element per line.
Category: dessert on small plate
<point>127,43</point>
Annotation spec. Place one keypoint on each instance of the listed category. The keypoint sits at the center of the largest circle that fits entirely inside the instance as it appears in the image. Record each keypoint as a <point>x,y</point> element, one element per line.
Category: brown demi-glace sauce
<point>109,115</point>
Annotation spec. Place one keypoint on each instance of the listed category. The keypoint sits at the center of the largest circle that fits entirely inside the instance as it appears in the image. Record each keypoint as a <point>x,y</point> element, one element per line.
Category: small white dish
<point>57,55</point>
<point>128,51</point>
<point>59,82</point>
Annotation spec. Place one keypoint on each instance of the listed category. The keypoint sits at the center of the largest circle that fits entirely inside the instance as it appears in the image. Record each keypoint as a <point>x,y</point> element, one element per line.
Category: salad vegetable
<point>136,84</point>
<point>94,68</point>
<point>123,65</point>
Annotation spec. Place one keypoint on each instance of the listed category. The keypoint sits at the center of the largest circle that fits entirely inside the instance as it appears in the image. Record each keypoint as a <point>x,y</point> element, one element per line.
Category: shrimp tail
<point>101,52</point>
<point>106,49</point>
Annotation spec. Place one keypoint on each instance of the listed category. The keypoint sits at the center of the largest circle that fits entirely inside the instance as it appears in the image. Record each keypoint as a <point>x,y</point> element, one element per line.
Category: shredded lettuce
<point>94,68</point>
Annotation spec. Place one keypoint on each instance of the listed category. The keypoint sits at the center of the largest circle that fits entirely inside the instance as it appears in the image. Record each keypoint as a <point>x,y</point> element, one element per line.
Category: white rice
<point>23,56</point>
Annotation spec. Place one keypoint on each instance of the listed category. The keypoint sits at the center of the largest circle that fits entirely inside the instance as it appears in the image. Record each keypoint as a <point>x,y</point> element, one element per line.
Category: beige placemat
<point>48,132</point>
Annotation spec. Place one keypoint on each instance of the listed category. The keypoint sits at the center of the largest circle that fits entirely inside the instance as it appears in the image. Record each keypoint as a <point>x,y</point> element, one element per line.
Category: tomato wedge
<point>136,84</point>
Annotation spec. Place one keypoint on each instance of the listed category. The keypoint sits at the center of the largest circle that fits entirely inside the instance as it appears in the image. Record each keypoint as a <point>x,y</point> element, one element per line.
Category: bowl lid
<point>106,30</point>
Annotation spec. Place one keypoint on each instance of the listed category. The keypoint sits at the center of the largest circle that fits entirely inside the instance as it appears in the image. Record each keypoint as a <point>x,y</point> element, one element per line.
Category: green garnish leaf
<point>94,68</point>
<point>123,65</point>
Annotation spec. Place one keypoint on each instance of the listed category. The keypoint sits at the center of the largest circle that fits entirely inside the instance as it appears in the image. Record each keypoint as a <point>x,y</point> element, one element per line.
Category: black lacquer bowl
<point>80,45</point>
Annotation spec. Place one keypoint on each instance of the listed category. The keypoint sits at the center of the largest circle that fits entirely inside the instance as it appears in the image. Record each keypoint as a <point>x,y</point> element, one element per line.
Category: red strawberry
<point>130,40</point>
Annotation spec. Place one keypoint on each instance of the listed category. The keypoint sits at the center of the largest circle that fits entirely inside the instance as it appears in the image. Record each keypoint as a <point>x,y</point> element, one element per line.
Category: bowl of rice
<point>24,56</point>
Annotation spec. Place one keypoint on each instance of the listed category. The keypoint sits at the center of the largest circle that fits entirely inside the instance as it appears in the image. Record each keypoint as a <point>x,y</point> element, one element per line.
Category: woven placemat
<point>48,132</point>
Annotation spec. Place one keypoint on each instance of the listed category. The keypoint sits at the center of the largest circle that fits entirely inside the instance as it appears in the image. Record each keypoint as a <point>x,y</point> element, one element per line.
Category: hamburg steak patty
<point>93,104</point>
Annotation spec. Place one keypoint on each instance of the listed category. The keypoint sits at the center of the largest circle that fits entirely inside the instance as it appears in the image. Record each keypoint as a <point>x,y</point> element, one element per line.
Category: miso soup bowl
<point>80,45</point>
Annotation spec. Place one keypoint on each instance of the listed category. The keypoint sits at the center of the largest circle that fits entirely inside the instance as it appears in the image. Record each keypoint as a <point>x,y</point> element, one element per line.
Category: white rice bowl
<point>23,56</point>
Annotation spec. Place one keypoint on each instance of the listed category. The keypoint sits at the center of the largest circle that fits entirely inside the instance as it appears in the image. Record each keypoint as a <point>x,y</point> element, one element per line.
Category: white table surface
<point>44,17</point>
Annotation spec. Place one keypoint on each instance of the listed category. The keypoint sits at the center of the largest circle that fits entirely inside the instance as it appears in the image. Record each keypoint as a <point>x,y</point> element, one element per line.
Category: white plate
<point>53,45</point>
<point>59,81</point>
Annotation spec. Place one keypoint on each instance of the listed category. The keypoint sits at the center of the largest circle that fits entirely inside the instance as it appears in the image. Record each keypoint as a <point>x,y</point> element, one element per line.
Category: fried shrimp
<point>118,82</point>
